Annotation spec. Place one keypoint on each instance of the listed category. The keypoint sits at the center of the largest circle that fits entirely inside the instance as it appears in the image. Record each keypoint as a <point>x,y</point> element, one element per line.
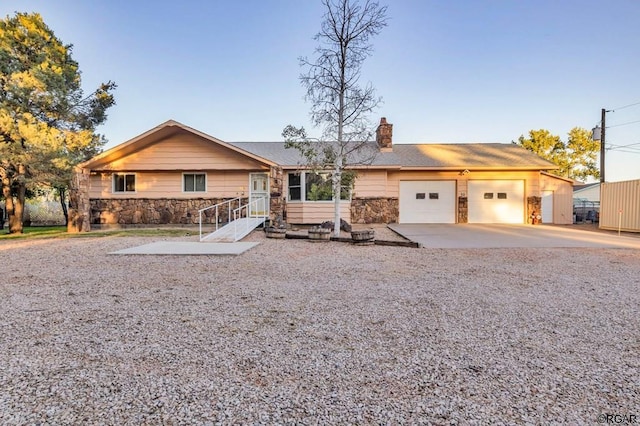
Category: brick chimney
<point>384,135</point>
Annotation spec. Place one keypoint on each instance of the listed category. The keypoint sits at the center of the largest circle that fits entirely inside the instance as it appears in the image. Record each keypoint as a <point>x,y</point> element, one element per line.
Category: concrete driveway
<point>505,236</point>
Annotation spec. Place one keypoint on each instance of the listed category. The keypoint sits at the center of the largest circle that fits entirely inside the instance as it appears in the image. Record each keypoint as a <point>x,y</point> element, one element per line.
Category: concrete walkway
<point>188,248</point>
<point>506,236</point>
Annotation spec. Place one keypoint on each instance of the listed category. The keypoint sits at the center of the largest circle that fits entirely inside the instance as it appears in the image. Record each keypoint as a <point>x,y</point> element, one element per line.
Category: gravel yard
<point>297,332</point>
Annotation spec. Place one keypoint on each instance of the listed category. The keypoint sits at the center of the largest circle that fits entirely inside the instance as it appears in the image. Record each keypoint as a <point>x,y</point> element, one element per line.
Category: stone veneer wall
<point>129,211</point>
<point>534,205</point>
<point>276,195</point>
<point>79,203</point>
<point>375,210</point>
<point>463,210</point>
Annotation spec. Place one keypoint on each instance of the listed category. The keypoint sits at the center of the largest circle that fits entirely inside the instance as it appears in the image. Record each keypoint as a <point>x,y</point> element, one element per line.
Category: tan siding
<point>316,212</point>
<point>562,198</point>
<point>532,186</point>
<point>229,184</point>
<point>169,185</point>
<point>616,196</point>
<point>370,184</point>
<point>184,152</point>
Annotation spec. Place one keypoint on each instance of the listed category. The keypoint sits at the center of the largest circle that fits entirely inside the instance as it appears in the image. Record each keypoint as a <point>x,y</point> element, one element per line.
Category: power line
<point>627,152</point>
<point>624,149</point>
<point>629,148</point>
<point>624,124</point>
<point>630,151</point>
<point>624,146</point>
<point>626,106</point>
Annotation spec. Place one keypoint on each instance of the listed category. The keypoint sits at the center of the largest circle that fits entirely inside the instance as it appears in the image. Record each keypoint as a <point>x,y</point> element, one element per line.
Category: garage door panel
<point>427,201</point>
<point>496,201</point>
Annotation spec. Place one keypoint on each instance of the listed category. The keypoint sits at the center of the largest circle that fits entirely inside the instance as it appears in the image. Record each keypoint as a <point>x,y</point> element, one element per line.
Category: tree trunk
<point>62,192</point>
<point>16,219</point>
<point>6,193</point>
<point>15,203</point>
<point>337,181</point>
<point>337,174</point>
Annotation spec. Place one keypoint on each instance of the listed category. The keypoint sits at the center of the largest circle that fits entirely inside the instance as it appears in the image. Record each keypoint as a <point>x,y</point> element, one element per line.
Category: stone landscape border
<point>411,244</point>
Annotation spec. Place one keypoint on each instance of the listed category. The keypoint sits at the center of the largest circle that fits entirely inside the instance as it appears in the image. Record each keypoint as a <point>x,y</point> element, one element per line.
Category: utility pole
<point>604,127</point>
<point>598,134</point>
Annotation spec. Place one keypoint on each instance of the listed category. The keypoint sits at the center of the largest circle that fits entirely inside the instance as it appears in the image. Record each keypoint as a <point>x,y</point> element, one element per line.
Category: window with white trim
<point>295,193</point>
<point>194,182</point>
<point>124,182</point>
<point>312,186</point>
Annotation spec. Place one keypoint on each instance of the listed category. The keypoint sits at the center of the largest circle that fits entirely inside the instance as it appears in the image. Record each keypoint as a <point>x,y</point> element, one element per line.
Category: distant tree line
<point>576,158</point>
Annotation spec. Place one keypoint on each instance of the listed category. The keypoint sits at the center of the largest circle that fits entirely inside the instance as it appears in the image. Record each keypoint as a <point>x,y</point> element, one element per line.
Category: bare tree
<point>339,103</point>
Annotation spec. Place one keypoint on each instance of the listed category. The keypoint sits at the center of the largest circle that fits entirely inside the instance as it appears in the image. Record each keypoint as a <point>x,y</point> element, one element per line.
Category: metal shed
<point>620,205</point>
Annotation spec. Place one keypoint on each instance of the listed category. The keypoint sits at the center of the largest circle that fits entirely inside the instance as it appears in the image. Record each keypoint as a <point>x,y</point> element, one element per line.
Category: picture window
<point>311,186</point>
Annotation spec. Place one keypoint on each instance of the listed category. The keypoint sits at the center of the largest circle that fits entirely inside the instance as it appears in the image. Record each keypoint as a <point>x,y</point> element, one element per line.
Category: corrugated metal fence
<point>620,205</point>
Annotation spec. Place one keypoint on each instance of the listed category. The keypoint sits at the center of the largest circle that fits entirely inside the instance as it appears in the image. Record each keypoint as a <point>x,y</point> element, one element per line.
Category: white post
<point>235,224</point>
<point>619,221</point>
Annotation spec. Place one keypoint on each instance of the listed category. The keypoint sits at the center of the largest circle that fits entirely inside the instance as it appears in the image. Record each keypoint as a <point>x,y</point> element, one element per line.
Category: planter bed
<point>411,244</point>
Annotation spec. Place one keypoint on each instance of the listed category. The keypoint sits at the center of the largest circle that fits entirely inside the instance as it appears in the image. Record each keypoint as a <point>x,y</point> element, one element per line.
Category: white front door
<point>547,206</point>
<point>259,192</point>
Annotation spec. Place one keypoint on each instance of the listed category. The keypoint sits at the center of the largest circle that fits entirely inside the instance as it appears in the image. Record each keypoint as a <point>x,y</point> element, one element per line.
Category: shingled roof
<point>472,156</point>
<point>419,156</point>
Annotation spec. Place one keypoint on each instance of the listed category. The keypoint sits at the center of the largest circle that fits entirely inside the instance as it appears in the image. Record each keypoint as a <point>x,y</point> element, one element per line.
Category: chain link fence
<point>585,211</point>
<point>37,213</point>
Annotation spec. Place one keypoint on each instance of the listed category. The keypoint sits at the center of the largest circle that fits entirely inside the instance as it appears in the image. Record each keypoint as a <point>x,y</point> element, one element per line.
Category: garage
<point>496,201</point>
<point>428,201</point>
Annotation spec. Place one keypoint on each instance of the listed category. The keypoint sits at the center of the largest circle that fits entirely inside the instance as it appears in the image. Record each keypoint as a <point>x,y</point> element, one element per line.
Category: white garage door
<point>496,201</point>
<point>428,201</point>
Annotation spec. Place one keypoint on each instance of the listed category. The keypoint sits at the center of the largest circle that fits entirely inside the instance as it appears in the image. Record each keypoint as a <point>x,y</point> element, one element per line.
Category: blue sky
<point>449,71</point>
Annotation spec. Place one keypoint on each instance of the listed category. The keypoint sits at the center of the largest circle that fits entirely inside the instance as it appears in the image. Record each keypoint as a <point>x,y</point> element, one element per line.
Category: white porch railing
<point>255,209</point>
<point>217,213</point>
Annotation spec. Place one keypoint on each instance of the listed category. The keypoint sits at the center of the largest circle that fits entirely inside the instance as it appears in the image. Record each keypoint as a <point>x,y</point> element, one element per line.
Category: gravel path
<point>316,333</point>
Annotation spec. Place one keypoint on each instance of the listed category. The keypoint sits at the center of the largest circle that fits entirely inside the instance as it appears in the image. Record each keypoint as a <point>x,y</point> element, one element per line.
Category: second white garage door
<point>496,201</point>
<point>428,201</point>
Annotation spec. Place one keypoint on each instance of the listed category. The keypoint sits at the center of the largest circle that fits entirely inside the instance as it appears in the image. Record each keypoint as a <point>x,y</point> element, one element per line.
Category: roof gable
<point>132,150</point>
